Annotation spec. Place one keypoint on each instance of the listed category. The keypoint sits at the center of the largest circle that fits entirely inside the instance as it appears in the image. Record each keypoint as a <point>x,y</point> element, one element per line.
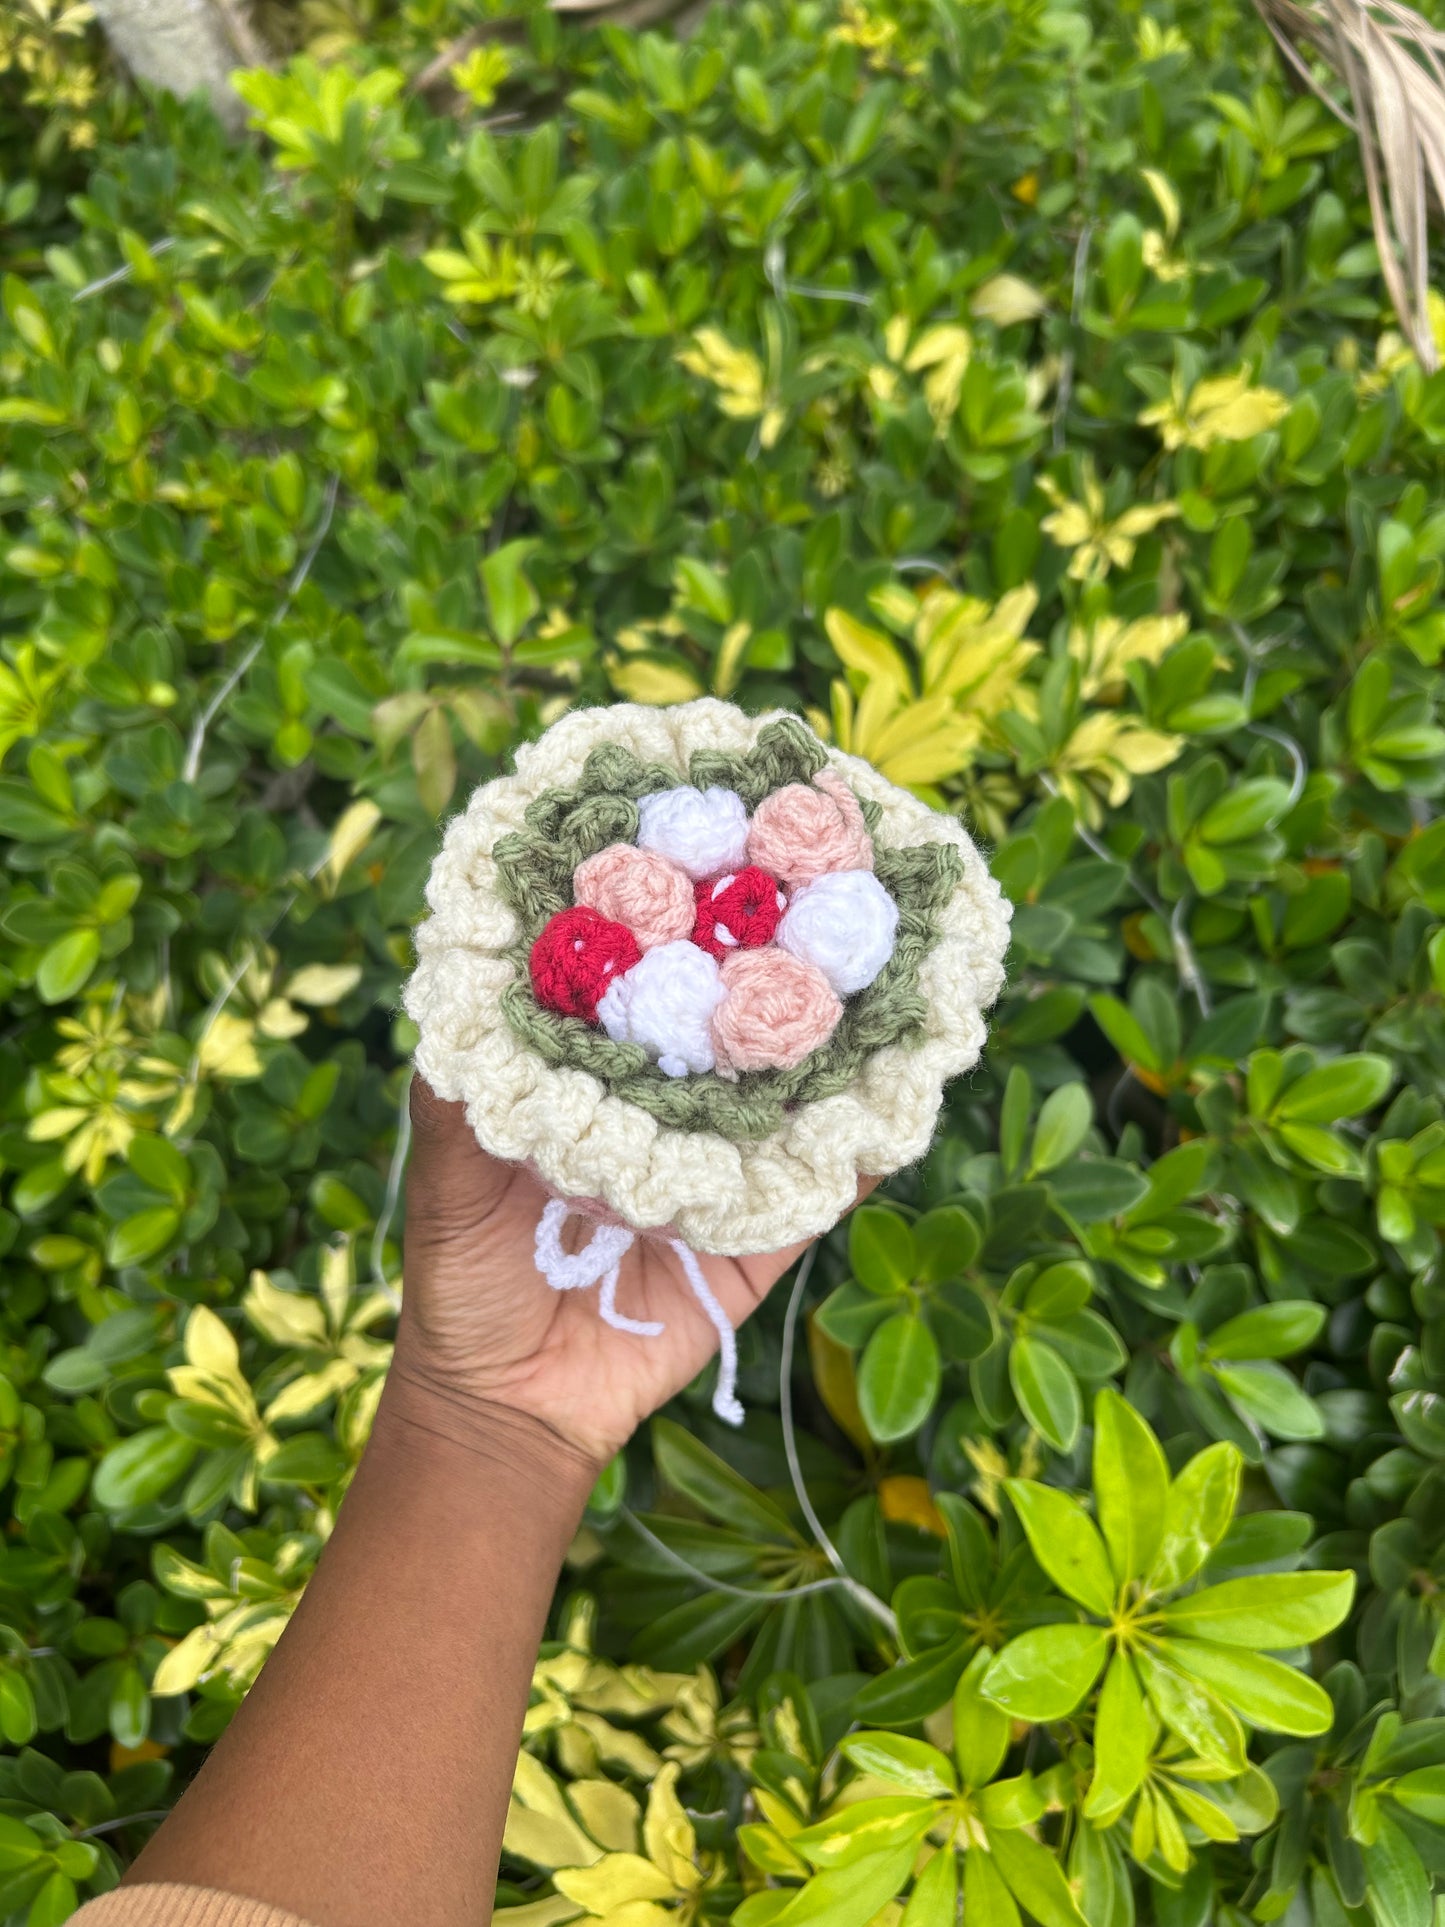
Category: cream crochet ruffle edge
<point>721,1197</point>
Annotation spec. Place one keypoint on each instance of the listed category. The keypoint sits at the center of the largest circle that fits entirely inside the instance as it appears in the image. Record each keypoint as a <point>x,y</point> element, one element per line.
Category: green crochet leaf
<point>564,826</point>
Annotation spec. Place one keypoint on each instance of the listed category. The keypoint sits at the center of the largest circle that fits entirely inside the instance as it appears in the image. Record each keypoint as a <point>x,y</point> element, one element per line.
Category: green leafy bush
<point>1008,387</point>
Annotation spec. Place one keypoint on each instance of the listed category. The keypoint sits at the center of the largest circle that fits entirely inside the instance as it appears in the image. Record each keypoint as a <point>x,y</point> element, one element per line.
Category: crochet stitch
<point>890,1011</point>
<point>737,912</point>
<point>805,829</point>
<point>844,923</point>
<point>640,889</point>
<point>776,1013</point>
<point>748,1165</point>
<point>575,959</point>
<point>704,831</point>
<point>665,1003</point>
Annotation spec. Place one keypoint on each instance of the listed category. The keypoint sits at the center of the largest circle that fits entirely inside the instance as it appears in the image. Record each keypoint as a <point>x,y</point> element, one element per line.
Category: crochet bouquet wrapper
<point>700,970</point>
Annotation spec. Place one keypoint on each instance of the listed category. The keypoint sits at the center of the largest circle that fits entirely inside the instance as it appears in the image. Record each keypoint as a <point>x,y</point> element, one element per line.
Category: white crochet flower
<point>665,1003</point>
<point>585,1143</point>
<point>702,831</point>
<point>843,923</point>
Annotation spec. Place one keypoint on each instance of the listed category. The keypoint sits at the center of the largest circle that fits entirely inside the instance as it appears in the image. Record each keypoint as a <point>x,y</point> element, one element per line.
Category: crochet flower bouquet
<point>698,971</point>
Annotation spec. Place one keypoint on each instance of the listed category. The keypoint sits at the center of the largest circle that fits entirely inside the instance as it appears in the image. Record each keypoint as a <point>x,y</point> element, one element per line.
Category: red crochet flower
<point>578,955</point>
<point>738,912</point>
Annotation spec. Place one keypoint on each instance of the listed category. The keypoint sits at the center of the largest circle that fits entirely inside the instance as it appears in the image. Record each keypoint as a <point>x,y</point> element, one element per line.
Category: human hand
<point>480,1325</point>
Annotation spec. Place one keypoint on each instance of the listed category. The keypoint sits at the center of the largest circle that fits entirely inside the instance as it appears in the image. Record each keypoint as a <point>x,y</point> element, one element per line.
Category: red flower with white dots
<point>737,912</point>
<point>576,959</point>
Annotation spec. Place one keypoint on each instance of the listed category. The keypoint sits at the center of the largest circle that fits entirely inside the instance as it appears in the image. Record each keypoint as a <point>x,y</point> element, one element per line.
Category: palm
<point>484,1317</point>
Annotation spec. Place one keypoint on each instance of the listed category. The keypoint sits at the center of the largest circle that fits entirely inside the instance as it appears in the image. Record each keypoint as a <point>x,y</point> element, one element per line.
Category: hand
<point>479,1323</point>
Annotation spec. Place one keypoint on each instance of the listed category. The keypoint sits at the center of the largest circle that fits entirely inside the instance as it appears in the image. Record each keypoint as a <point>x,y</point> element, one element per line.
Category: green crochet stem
<point>565,826</point>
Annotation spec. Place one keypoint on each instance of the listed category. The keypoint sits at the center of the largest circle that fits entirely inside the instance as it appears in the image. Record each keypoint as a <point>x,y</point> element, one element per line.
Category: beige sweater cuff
<point>148,1905</point>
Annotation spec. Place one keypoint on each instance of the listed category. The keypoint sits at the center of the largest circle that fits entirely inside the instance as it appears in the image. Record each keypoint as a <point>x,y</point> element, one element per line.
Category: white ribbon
<point>599,1262</point>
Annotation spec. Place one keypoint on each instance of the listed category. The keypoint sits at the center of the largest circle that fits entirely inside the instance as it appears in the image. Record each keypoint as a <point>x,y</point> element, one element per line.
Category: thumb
<point>452,1185</point>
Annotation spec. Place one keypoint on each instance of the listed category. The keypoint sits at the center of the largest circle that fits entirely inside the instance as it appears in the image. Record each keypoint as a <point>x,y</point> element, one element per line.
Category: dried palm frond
<point>1392,64</point>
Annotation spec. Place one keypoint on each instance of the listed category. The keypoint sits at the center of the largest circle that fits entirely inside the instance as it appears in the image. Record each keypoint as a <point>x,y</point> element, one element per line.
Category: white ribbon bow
<point>599,1262</point>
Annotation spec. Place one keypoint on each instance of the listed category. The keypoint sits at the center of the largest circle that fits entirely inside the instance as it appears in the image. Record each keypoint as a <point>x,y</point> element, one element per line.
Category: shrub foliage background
<point>1007,385</point>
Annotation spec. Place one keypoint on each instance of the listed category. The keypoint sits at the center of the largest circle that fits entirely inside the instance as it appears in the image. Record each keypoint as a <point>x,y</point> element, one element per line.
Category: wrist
<point>424,1411</point>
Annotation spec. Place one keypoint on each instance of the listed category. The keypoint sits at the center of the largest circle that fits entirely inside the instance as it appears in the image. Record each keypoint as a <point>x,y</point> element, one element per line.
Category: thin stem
<point>1064,393</point>
<point>125,1820</point>
<point>122,273</point>
<point>1299,773</point>
<point>393,1192</point>
<point>763,1594</point>
<point>1184,955</point>
<point>213,708</point>
<point>869,1601</point>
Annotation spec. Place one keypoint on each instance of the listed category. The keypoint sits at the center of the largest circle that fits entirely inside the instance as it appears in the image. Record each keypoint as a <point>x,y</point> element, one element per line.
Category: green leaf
<point>1059,1291</point>
<point>66,966</point>
<point>141,1468</point>
<point>135,1239</point>
<point>934,1900</point>
<point>898,1378</point>
<point>1131,1486</point>
<point>1347,1087</point>
<point>157,1162</point>
<point>1269,1331</point>
<point>980,1728</point>
<point>18,1723</point>
<point>1066,1543</point>
<point>1422,1793</point>
<point>25,818</point>
<point>911,1764</point>
<point>1189,1709</point>
<point>309,1458</point>
<point>19,1847</point>
<point>1064,1121</point>
<point>54,1904</point>
<point>917,1687</point>
<point>961,1320</point>
<point>860,1832</point>
<point>845,1896</point>
<point>987,1902</point>
<point>881,1250</point>
<point>1046,1672</point>
<point>1035,1879</point>
<point>1018,1097</point>
<point>1088,1344</point>
<point>947,1241</point>
<point>1273,1610</point>
<point>1047,1391</point>
<point>511,599</point>
<point>1269,1396</point>
<point>1121,1742</point>
<point>1125,1032</point>
<point>1398,1884</point>
<point>1264,1692</point>
<point>1244,810</point>
<point>1197,1513</point>
<point>1018,1802</point>
<point>698,1474</point>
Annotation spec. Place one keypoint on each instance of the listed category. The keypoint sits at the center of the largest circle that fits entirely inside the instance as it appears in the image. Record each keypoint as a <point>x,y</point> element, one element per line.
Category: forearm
<point>365,1778</point>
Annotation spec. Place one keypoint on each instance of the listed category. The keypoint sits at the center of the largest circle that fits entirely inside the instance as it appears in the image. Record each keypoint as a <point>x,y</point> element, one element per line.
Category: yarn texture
<point>652,897</point>
<point>777,1011</point>
<point>731,1164</point>
<point>843,923</point>
<point>576,957</point>
<point>806,829</point>
<point>737,912</point>
<point>665,1003</point>
<point>704,831</point>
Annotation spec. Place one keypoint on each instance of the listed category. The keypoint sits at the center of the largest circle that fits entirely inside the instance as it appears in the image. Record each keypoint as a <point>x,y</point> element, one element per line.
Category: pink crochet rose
<point>640,889</point>
<point>806,830</point>
<point>777,1011</point>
